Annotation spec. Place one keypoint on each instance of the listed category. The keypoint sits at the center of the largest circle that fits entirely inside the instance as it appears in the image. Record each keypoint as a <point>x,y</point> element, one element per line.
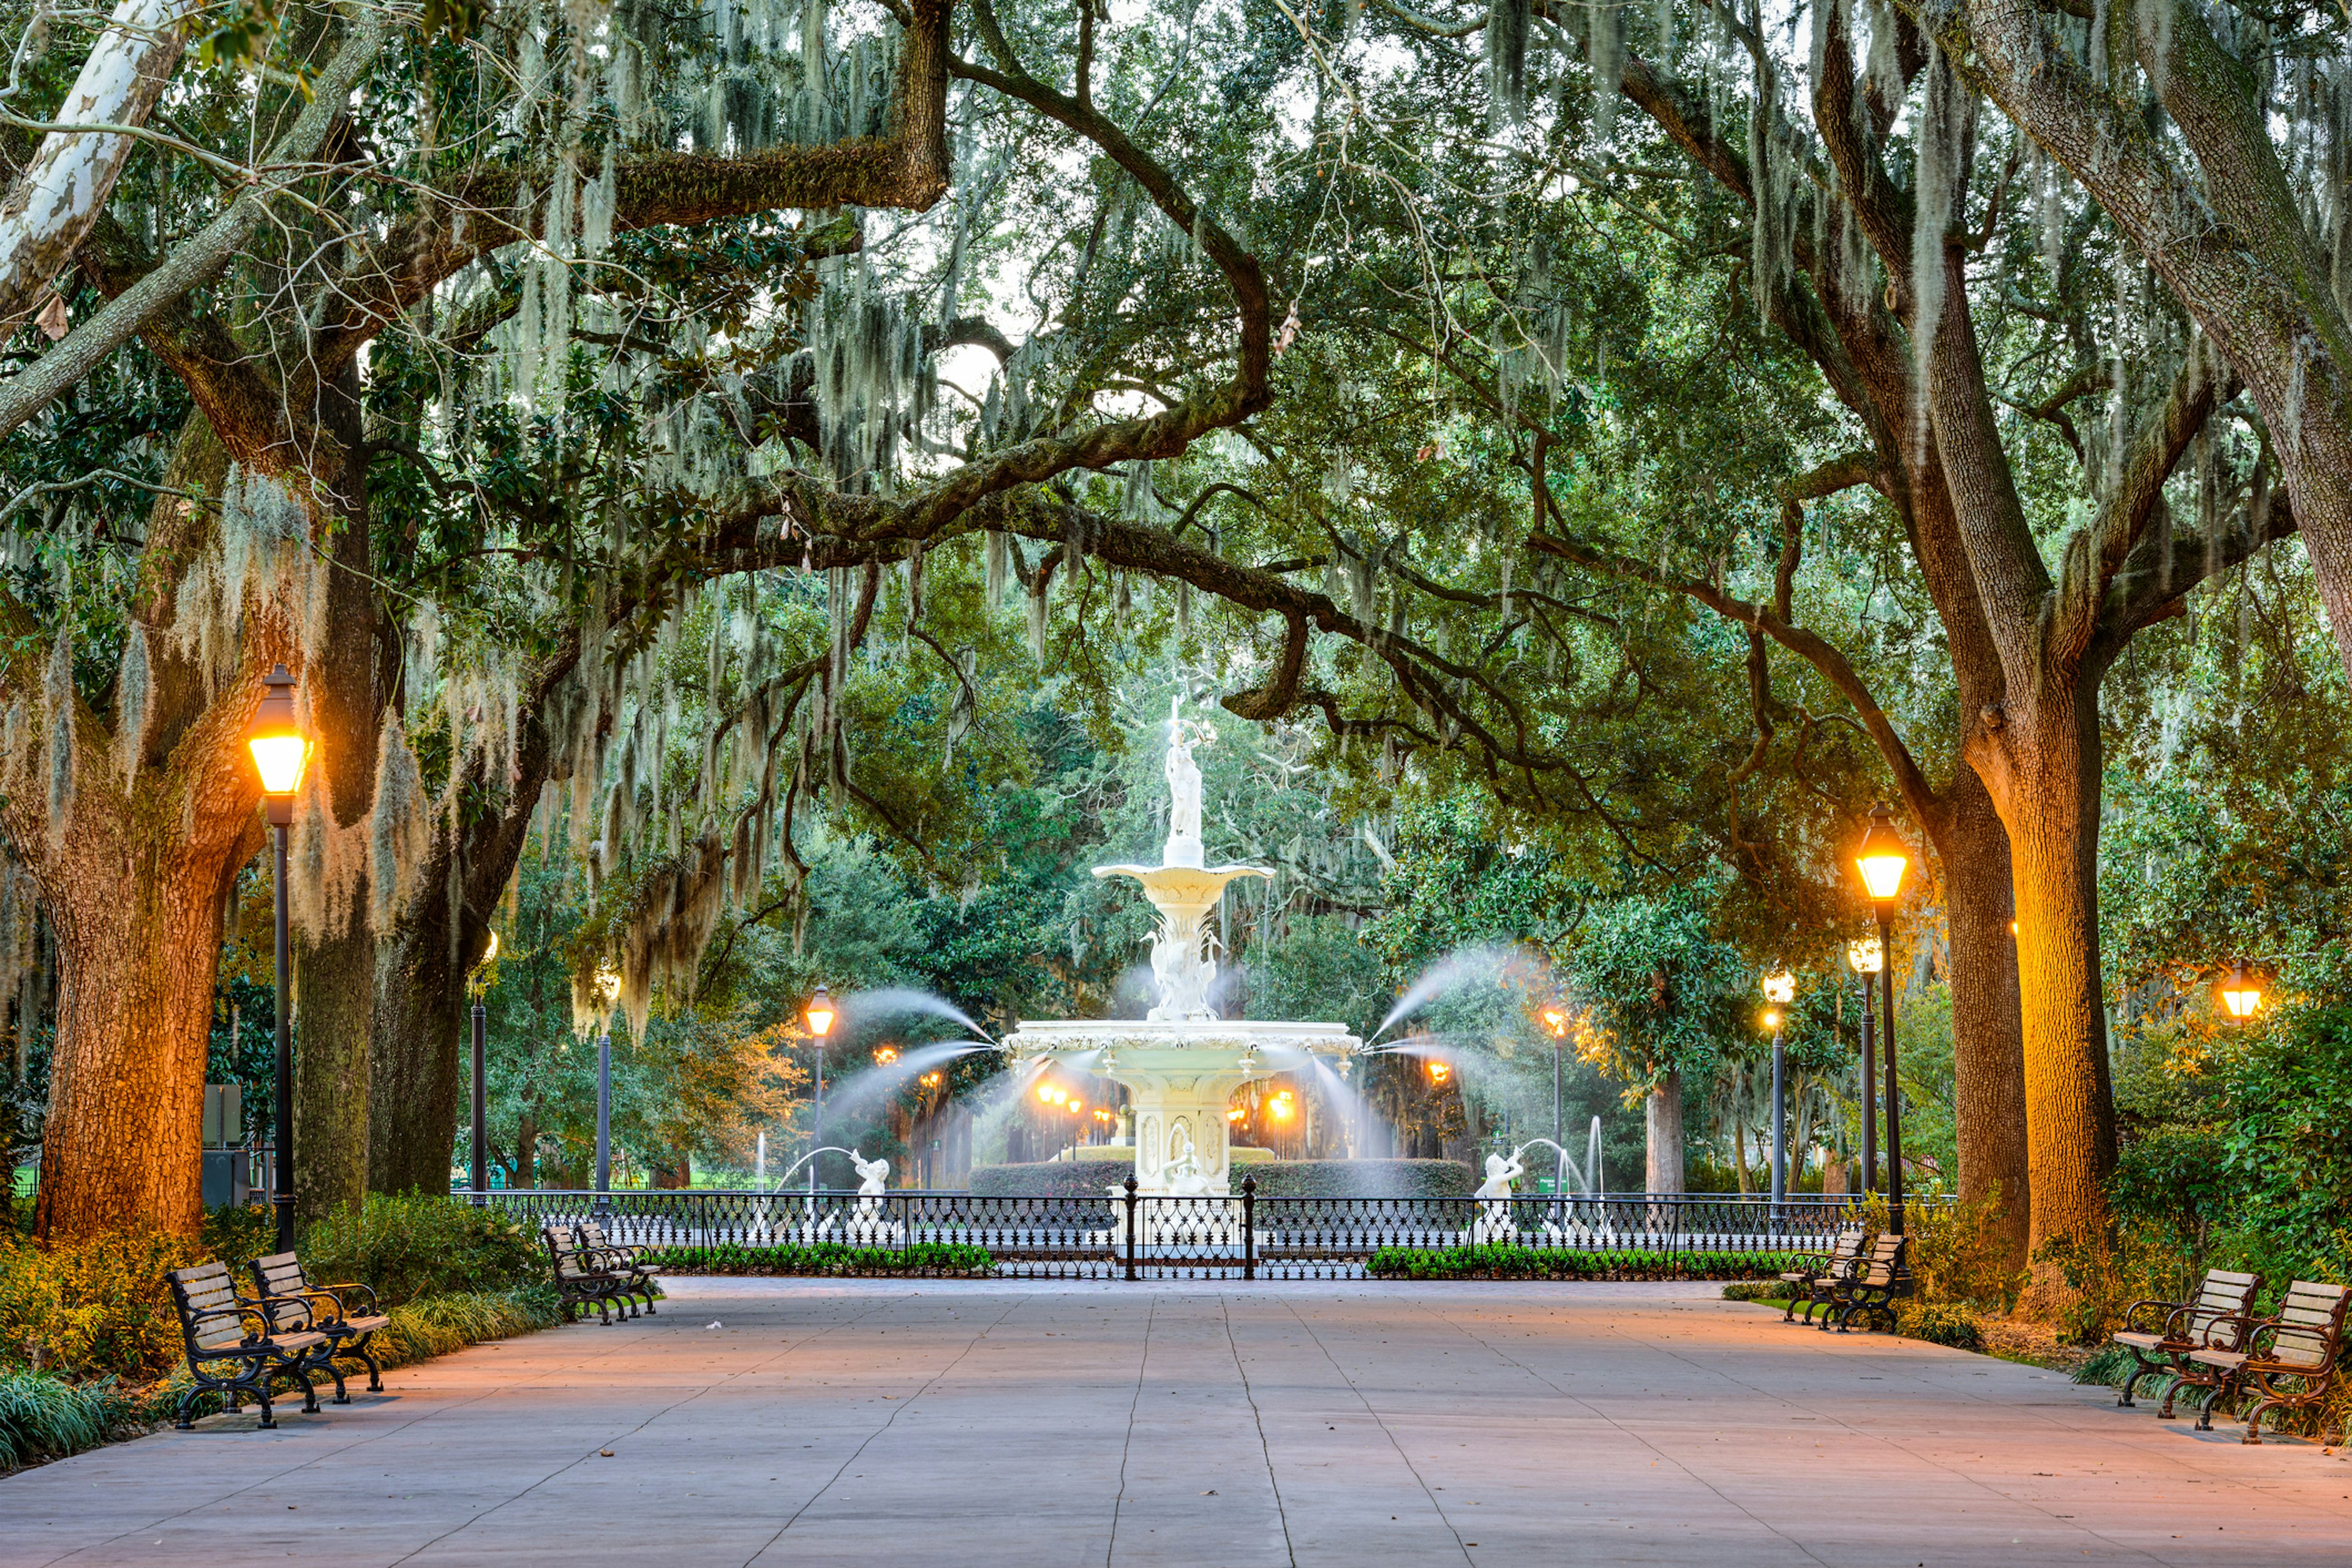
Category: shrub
<point>1051,1179</point>
<point>1754,1290</point>
<point>826,1257</point>
<point>1502,1261</point>
<point>1941,1323</point>
<point>236,1235</point>
<point>418,1244</point>
<point>93,1305</point>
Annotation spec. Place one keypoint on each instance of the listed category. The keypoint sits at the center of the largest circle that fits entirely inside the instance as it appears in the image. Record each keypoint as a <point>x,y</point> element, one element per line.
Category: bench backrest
<point>1884,1260</point>
<point>2225,1295</point>
<point>564,1247</point>
<point>1848,1243</point>
<point>2311,1325</point>
<point>207,1288</point>
<point>280,1273</point>
<point>592,1235</point>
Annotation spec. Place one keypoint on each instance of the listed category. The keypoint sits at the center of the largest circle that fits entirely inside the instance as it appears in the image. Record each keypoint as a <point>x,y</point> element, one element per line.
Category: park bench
<point>1867,1290</point>
<point>2297,1346</point>
<point>625,1259</point>
<point>579,1279</point>
<point>222,1330</point>
<point>1843,1255</point>
<point>2159,1334</point>
<point>278,1278</point>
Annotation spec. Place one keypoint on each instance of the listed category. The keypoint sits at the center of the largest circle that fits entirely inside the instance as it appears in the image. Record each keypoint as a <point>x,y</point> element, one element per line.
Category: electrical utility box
<point>228,1168</point>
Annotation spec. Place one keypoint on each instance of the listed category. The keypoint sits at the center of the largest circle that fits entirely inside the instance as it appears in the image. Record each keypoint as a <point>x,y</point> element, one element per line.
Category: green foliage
<point>1940,1323</point>
<point>416,1245</point>
<point>43,1417</point>
<point>1498,1260</point>
<point>95,1307</point>
<point>927,1258</point>
<point>1753,1290</point>
<point>1659,983</point>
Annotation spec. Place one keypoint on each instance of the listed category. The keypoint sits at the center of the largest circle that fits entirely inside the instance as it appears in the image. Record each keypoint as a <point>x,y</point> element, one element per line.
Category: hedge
<point>1500,1261</point>
<point>1275,1178</point>
<point>826,1258</point>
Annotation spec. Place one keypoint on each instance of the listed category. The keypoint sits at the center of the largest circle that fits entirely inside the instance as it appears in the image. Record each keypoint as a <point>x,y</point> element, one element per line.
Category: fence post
<point>1249,1228</point>
<point>1130,1225</point>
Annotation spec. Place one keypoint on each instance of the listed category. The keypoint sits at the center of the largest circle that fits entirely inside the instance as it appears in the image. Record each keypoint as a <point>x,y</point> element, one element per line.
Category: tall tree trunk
<point>2047,790</point>
<point>1987,1029</point>
<point>1664,1122</point>
<point>335,966</point>
<point>138,921</point>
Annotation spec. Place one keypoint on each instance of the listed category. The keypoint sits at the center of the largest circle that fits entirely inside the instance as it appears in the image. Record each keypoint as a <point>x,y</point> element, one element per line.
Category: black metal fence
<point>1241,1236</point>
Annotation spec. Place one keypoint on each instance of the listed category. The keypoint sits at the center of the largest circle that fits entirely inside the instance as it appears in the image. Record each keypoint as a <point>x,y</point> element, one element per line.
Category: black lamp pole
<point>1869,1092</point>
<point>478,1177</point>
<point>1893,1089</point>
<point>281,1176</point>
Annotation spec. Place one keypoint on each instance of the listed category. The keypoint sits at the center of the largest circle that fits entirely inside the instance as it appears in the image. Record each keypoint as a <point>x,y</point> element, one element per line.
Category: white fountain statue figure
<point>1180,1063</point>
<point>1493,1222</point>
<point>872,1223</point>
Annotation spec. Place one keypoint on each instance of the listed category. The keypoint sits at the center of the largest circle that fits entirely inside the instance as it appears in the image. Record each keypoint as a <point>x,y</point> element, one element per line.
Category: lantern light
<point>1882,857</point>
<point>1555,1019</point>
<point>820,1012</point>
<point>2242,992</point>
<point>1439,1072</point>
<point>884,1055</point>
<point>608,986</point>
<point>1781,987</point>
<point>274,737</point>
<point>1864,956</point>
<point>1770,1019</point>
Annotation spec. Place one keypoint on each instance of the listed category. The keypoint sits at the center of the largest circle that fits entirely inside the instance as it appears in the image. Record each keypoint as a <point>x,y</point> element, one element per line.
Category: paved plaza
<point>879,1424</point>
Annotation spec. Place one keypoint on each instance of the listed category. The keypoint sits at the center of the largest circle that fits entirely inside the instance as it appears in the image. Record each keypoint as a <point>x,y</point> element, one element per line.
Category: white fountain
<point>1181,1064</point>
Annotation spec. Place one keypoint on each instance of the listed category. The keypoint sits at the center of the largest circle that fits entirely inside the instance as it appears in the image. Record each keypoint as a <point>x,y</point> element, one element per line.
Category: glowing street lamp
<point>884,1055</point>
<point>1882,858</point>
<point>1780,989</point>
<point>1439,1072</point>
<point>279,749</point>
<point>819,1014</point>
<point>2241,992</point>
<point>1867,957</point>
<point>1555,1022</point>
<point>607,986</point>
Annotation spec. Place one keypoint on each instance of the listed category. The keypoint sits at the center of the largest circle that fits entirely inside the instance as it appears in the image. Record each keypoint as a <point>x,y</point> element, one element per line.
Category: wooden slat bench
<point>1869,1290</point>
<point>2159,1334</point>
<point>2297,1346</point>
<point>1843,1255</point>
<point>221,1329</point>
<point>281,1284</point>
<point>579,1280</point>
<point>626,1260</point>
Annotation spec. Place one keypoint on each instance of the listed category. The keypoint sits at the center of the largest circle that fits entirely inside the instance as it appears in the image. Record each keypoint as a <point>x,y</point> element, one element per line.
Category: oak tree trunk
<point>1663,1117</point>
<point>1988,1030</point>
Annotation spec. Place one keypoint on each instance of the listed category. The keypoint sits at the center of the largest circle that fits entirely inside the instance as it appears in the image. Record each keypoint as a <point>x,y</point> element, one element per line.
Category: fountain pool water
<point>1180,1063</point>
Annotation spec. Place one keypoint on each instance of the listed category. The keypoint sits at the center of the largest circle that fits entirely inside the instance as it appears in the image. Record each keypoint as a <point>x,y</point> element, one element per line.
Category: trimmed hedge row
<point>1275,1178</point>
<point>826,1258</point>
<point>1501,1261</point>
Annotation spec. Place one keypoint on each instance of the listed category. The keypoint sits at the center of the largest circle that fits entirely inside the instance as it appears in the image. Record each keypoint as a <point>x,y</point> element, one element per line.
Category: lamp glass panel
<point>1883,874</point>
<point>279,760</point>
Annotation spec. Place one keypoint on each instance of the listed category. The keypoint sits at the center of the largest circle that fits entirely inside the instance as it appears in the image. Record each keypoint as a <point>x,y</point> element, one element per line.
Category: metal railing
<point>1241,1235</point>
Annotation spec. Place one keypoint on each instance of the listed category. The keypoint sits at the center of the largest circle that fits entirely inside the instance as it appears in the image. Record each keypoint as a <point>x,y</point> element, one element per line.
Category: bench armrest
<point>262,1305</point>
<point>2172,1312</point>
<point>341,1292</point>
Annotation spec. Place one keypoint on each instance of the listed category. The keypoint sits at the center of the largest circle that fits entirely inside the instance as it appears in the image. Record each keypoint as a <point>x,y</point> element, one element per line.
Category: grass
<point>826,1258</point>
<point>44,1417</point>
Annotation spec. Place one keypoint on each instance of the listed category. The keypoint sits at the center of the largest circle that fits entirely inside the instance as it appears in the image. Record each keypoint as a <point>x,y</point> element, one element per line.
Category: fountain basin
<point>1180,1075</point>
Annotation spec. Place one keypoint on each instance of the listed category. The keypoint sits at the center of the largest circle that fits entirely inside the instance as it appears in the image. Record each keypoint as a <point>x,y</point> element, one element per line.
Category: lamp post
<point>477,1165</point>
<point>279,751</point>
<point>1866,958</point>
<point>819,1017</point>
<point>1780,989</point>
<point>2241,992</point>
<point>1882,857</point>
<point>1555,1022</point>
<point>608,992</point>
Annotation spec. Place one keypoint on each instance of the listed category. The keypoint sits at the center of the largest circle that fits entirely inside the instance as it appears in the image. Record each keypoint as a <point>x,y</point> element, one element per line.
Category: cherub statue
<point>1495,1222</point>
<point>1500,1173</point>
<point>873,1175</point>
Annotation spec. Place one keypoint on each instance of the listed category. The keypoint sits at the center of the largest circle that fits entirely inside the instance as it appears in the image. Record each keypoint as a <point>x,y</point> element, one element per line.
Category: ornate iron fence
<point>1241,1236</point>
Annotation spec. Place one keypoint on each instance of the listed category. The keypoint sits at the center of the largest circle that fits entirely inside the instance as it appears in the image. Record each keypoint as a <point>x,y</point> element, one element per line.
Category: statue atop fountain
<point>1180,1063</point>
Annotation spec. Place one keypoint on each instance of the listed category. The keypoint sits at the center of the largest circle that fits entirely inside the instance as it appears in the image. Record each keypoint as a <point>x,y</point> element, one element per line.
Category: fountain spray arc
<point>1181,1064</point>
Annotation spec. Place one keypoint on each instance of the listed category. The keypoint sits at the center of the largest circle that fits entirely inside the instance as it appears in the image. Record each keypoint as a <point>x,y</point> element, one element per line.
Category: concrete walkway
<point>879,1424</point>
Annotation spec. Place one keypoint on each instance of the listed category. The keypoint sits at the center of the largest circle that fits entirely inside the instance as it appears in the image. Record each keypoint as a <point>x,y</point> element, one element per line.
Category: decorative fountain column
<point>1181,1064</point>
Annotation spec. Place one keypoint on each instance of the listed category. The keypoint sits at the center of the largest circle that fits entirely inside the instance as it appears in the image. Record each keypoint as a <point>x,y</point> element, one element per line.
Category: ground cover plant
<point>1502,1260</point>
<point>826,1258</point>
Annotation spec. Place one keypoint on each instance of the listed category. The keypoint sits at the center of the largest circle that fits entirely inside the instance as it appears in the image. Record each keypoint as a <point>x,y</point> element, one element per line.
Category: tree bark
<point>1664,1120</point>
<point>1988,1029</point>
<point>335,967</point>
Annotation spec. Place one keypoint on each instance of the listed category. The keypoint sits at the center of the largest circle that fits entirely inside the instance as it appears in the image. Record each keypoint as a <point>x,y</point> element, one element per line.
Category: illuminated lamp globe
<point>1882,858</point>
<point>1781,987</point>
<point>1865,956</point>
<point>820,1012</point>
<point>2241,992</point>
<point>275,739</point>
